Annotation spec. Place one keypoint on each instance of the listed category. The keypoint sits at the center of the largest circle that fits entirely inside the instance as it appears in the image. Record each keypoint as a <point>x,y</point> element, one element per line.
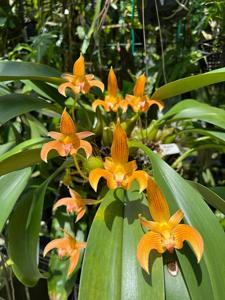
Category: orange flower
<point>67,246</point>
<point>79,82</point>
<point>139,101</point>
<point>117,170</point>
<point>74,204</point>
<point>113,101</point>
<point>67,141</point>
<point>166,232</point>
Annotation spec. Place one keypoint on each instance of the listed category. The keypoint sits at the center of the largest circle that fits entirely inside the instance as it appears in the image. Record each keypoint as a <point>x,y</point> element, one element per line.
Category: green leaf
<point>37,128</point>
<point>23,233</point>
<point>210,197</point>
<point>188,84</point>
<point>175,286</point>
<point>192,109</point>
<point>16,70</point>
<point>110,269</point>
<point>6,147</point>
<point>11,186</point>
<point>204,280</point>
<point>50,91</point>
<point>23,242</point>
<point>44,89</point>
<point>219,190</point>
<point>20,160</point>
<point>22,146</point>
<point>214,134</point>
<point>16,104</point>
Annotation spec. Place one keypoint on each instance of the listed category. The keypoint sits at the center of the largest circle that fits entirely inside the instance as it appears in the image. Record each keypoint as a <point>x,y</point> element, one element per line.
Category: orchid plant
<point>125,224</point>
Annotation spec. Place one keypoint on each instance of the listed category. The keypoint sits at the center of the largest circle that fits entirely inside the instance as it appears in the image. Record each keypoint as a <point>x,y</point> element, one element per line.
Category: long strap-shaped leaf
<point>11,186</point>
<point>23,233</point>
<point>205,280</point>
<point>188,84</point>
<point>192,109</point>
<point>110,269</point>
<point>16,70</point>
<point>16,104</point>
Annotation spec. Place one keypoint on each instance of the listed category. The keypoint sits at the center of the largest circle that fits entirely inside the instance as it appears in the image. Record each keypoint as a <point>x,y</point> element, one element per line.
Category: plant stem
<point>92,28</point>
<point>78,168</point>
<point>182,157</point>
<point>6,277</point>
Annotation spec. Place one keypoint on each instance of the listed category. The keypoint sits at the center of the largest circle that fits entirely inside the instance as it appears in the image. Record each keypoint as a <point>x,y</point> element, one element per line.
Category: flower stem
<point>78,168</point>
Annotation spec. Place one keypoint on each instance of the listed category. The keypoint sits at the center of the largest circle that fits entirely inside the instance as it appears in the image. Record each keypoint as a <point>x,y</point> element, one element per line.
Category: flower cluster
<point>79,82</point>
<point>166,234</point>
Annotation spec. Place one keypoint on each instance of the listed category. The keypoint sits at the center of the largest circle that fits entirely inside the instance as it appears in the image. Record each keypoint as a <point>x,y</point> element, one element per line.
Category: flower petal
<point>119,149</point>
<point>89,77</point>
<point>84,86</point>
<point>112,83</point>
<point>63,201</point>
<point>91,201</point>
<point>56,135</point>
<point>176,218</point>
<point>81,245</point>
<point>62,88</point>
<point>150,225</point>
<point>130,167</point>
<point>140,86</point>
<point>74,194</point>
<point>53,145</point>
<point>150,241</point>
<point>97,103</point>
<point>142,179</point>
<point>57,243</point>
<point>67,77</point>
<point>95,176</point>
<point>80,214</point>
<point>73,261</point>
<point>98,84</point>
<point>123,104</point>
<point>67,125</point>
<point>84,134</point>
<point>147,224</point>
<point>183,232</point>
<point>159,103</point>
<point>131,101</point>
<point>157,203</point>
<point>79,67</point>
<point>87,147</point>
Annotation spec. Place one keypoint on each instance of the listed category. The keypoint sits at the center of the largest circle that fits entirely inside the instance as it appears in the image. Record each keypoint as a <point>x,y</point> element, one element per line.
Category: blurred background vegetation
<point>167,39</point>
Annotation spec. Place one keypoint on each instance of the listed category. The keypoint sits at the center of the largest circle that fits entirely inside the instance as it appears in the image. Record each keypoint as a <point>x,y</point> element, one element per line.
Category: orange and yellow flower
<point>139,101</point>
<point>68,141</point>
<point>67,246</point>
<point>166,234</point>
<point>117,170</point>
<point>79,82</point>
<point>74,204</point>
<point>113,101</point>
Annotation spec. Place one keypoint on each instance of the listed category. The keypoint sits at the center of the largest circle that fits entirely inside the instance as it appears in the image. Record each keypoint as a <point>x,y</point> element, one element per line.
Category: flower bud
<point>92,163</point>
